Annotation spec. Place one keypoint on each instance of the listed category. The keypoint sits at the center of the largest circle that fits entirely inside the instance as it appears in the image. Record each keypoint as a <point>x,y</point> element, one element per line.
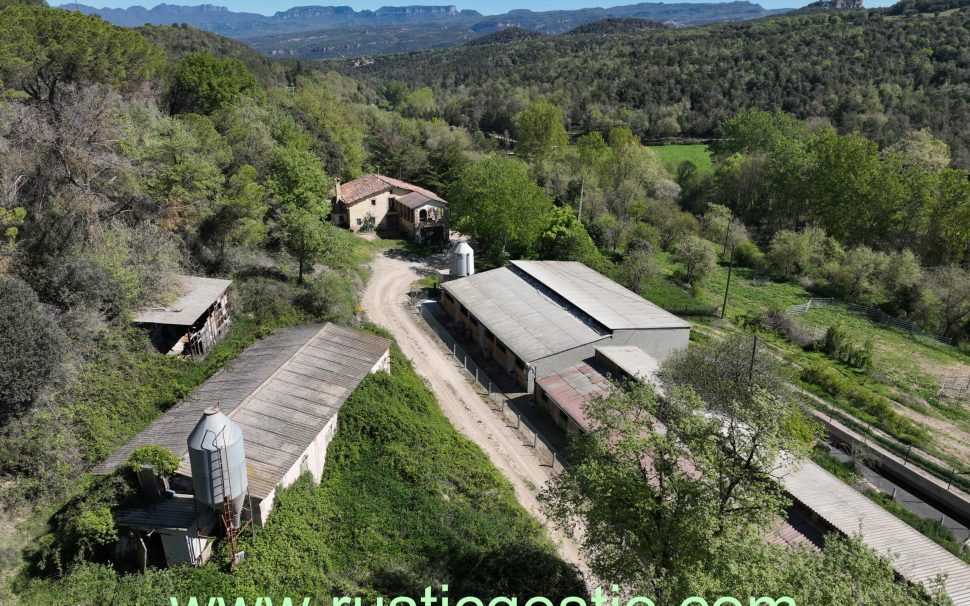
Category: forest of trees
<point>861,71</point>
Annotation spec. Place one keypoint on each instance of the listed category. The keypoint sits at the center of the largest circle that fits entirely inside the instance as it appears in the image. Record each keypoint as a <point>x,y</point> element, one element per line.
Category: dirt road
<point>385,303</point>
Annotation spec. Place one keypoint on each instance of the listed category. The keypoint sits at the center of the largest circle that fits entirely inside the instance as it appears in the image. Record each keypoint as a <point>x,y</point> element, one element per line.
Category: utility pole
<point>727,236</point>
<point>582,190</point>
<point>727,286</point>
<point>754,350</point>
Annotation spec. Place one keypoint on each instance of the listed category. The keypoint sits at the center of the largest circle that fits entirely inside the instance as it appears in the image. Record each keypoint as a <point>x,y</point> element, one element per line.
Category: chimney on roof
<point>336,188</point>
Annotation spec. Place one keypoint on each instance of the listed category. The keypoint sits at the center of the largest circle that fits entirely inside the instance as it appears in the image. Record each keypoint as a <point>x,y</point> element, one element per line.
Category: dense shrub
<point>31,346</point>
<point>865,404</point>
<point>84,528</point>
<point>747,254</point>
<point>839,345</point>
<point>81,281</point>
<point>792,254</point>
<point>327,297</point>
<point>267,299</point>
<point>777,321</point>
<point>160,458</point>
<point>843,470</point>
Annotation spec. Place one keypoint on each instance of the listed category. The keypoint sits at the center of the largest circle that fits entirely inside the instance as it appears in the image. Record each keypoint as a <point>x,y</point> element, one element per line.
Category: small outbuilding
<point>565,393</point>
<point>194,322</point>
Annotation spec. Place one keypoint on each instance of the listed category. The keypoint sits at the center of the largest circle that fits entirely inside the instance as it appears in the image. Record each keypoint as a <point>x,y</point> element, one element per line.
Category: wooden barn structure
<point>194,322</point>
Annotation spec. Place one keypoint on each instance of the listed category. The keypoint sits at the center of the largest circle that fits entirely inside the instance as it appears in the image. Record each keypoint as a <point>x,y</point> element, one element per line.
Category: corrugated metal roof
<point>281,391</point>
<point>528,321</point>
<point>603,299</point>
<point>916,558</point>
<point>785,534</point>
<point>198,295</point>
<point>632,360</point>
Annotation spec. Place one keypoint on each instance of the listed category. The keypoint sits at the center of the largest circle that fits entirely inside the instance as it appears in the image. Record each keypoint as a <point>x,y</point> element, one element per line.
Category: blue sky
<point>487,7</point>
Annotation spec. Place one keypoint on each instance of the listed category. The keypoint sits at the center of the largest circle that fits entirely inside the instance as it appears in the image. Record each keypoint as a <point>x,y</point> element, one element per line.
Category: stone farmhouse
<point>387,205</point>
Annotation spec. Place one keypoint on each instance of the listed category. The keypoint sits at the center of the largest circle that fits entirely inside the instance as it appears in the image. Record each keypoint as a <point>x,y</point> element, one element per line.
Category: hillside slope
<point>861,70</point>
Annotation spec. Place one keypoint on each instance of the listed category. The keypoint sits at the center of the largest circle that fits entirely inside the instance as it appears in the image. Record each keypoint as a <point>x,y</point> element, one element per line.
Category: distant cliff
<point>313,32</point>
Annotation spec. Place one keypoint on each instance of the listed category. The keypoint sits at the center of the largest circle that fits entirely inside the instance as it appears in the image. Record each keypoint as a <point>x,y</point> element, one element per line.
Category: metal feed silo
<point>462,260</point>
<point>218,463</point>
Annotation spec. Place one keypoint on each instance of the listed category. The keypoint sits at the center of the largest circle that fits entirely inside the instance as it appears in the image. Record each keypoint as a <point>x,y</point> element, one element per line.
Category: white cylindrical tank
<point>462,260</point>
<point>218,463</point>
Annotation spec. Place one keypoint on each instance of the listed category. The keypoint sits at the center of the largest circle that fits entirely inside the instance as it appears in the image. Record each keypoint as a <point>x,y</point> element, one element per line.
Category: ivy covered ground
<point>405,502</point>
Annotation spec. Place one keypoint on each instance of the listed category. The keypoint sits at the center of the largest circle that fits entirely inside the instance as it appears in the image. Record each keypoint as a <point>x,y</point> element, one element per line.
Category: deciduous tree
<point>496,202</point>
<point>566,239</point>
<point>950,287</point>
<point>297,180</point>
<point>697,257</point>
<point>540,132</point>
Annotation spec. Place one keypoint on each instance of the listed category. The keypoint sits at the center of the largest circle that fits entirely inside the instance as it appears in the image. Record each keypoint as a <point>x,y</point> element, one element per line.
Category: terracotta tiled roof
<point>573,387</point>
<point>354,191</point>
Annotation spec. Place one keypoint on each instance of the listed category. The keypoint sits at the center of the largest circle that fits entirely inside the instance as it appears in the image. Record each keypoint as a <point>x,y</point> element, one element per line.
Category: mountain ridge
<point>317,32</point>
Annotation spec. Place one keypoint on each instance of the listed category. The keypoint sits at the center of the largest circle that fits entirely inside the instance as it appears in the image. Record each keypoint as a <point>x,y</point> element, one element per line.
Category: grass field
<point>905,370</point>
<point>673,155</point>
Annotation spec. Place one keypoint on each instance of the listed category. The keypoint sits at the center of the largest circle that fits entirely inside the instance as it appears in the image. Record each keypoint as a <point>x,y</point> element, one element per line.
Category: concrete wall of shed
<point>384,364</point>
<point>312,460</point>
<point>558,415</point>
<point>659,342</point>
<point>449,304</point>
<point>550,364</point>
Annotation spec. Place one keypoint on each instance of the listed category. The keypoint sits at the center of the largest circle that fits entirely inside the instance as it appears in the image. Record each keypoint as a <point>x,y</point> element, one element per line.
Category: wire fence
<point>955,387</point>
<point>496,399</point>
<point>873,314</point>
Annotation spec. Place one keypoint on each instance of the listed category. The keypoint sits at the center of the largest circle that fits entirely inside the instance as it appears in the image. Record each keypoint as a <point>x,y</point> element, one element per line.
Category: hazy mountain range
<point>312,32</point>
